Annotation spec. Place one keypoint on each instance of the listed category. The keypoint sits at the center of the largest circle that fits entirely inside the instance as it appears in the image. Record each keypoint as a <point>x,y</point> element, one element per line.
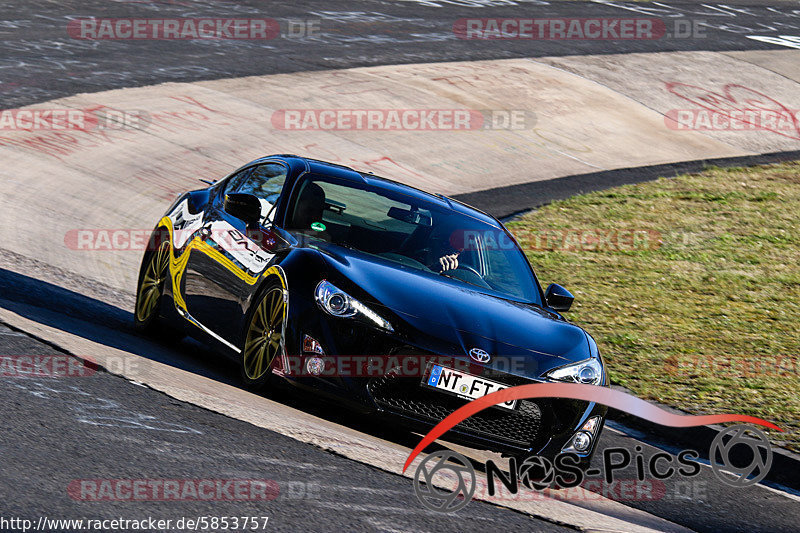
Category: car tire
<point>263,336</point>
<point>150,289</point>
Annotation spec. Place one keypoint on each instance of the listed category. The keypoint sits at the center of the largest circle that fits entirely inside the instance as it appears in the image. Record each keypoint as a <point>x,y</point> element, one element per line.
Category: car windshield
<point>423,235</point>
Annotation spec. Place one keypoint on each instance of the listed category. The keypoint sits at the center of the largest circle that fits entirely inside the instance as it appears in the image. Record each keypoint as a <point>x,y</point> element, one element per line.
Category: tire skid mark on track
<point>95,410</point>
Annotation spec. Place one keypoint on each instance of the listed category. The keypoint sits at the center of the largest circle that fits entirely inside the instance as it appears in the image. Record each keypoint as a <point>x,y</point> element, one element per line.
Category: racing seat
<point>309,207</point>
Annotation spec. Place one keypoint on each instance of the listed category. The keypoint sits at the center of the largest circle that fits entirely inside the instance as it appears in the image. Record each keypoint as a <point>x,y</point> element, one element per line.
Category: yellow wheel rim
<point>152,283</point>
<point>264,334</point>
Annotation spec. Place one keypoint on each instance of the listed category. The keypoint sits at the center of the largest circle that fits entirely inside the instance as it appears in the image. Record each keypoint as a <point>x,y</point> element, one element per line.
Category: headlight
<point>336,302</point>
<point>588,372</point>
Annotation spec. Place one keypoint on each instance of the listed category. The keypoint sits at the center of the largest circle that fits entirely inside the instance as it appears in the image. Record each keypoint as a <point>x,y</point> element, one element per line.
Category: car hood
<point>459,318</point>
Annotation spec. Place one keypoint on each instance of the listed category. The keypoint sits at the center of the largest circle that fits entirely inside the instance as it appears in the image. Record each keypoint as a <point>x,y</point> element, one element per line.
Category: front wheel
<point>263,340</point>
<point>154,273</point>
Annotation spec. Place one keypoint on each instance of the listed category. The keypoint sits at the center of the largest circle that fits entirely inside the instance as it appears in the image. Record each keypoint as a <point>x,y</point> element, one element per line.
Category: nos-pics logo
<point>452,470</point>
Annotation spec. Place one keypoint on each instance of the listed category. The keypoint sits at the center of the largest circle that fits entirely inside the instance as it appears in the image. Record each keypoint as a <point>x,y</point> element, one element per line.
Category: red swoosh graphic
<point>575,391</point>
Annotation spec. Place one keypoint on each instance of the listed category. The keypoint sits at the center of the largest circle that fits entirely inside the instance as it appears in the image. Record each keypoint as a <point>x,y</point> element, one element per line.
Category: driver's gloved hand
<point>448,262</point>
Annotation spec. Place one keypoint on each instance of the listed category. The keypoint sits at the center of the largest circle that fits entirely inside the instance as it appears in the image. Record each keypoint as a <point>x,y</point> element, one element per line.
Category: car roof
<point>298,165</point>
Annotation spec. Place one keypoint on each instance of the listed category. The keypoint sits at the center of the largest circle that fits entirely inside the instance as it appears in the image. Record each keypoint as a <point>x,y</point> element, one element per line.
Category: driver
<point>448,262</point>
<point>442,256</point>
<point>436,251</point>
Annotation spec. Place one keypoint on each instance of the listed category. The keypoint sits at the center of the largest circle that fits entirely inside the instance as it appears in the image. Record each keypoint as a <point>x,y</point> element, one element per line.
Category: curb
<point>505,202</point>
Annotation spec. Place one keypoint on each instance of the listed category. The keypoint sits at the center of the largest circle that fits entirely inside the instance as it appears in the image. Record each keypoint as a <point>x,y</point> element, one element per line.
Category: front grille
<point>520,427</point>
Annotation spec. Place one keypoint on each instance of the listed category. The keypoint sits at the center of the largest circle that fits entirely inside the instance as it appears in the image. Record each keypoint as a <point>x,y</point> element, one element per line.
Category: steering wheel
<point>476,279</point>
<point>464,267</point>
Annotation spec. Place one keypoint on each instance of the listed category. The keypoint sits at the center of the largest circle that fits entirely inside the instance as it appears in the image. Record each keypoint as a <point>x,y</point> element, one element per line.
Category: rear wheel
<point>155,271</point>
<point>263,340</point>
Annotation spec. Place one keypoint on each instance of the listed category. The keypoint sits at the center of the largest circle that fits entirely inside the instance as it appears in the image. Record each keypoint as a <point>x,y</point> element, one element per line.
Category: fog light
<point>311,345</point>
<point>582,441</point>
<point>315,366</point>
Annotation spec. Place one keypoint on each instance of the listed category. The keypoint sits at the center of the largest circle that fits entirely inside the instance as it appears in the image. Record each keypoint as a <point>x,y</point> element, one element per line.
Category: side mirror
<point>558,298</point>
<point>243,206</point>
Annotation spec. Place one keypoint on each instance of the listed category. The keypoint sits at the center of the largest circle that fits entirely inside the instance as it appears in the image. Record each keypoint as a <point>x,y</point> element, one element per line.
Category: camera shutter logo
<point>721,449</point>
<point>442,500</point>
<point>536,472</point>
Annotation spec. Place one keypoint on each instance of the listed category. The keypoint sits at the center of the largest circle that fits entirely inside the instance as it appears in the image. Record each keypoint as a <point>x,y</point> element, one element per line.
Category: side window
<point>264,182</point>
<point>236,181</point>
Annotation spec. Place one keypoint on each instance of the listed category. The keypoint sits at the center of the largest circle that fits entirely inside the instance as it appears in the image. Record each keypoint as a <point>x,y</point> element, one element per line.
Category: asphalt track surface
<point>40,61</point>
<point>52,433</point>
<point>102,426</point>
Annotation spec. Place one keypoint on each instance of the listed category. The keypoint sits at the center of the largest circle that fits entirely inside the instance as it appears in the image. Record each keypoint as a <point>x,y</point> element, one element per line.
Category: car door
<point>230,256</point>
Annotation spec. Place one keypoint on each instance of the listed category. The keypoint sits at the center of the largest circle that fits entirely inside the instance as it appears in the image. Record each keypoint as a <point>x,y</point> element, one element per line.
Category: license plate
<point>464,385</point>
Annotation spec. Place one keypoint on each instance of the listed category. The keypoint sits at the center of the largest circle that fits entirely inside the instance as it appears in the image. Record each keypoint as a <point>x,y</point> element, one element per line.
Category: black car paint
<point>431,314</point>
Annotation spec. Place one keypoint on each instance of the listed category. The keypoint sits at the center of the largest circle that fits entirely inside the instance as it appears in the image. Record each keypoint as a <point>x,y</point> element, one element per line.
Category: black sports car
<point>311,272</point>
